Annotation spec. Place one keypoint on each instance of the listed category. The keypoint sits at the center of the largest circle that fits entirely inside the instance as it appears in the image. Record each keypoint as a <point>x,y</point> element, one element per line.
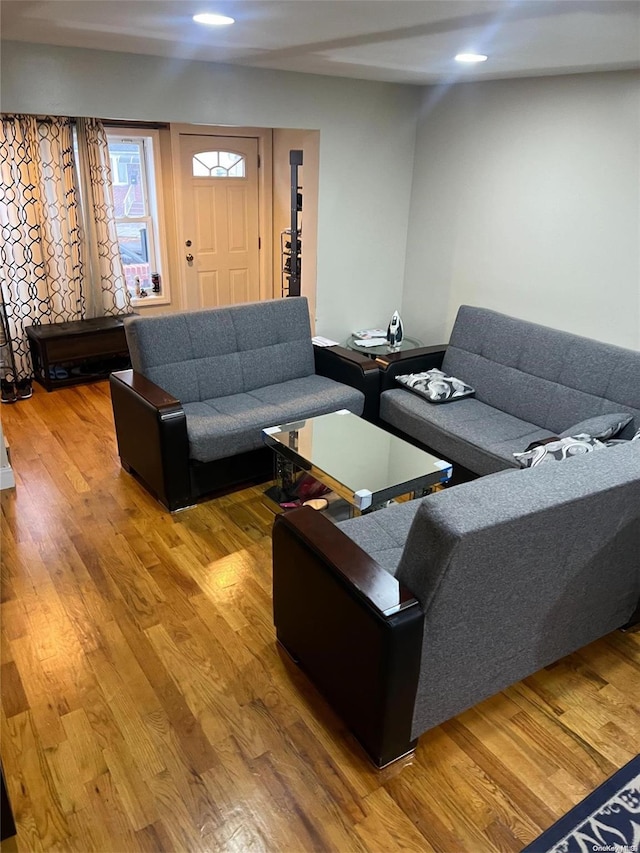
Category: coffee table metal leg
<point>422,493</point>
<point>285,473</point>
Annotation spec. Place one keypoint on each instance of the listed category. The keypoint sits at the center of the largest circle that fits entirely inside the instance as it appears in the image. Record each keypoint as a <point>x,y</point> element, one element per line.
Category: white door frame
<point>264,135</point>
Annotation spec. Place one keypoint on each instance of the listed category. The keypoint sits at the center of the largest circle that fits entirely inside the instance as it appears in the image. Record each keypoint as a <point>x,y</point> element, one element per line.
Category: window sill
<point>149,301</point>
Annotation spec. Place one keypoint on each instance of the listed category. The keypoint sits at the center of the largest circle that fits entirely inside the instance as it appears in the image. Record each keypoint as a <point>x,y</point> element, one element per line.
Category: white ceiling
<point>406,41</point>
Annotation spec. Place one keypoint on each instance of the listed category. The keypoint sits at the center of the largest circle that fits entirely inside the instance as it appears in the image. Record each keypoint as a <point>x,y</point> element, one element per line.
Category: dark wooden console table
<point>78,351</point>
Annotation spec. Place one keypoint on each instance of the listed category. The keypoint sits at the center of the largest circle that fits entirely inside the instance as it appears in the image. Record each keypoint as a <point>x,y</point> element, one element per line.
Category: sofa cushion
<point>543,376</point>
<point>435,386</point>
<point>603,427</point>
<point>471,433</point>
<point>199,355</point>
<point>226,426</point>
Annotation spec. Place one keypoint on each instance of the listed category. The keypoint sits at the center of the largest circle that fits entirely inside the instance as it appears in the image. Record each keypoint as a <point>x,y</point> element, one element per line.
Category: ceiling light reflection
<point>471,57</point>
<point>213,20</point>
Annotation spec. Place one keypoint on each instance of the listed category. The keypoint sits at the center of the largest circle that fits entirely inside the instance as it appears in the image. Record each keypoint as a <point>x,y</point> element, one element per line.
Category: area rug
<point>606,820</point>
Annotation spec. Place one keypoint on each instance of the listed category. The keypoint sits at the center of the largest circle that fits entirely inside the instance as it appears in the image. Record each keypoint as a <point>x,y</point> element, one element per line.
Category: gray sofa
<point>205,383</point>
<point>531,382</point>
<point>407,616</point>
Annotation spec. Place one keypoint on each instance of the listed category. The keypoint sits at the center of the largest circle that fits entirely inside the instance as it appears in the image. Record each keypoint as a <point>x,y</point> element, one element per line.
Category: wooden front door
<point>220,212</point>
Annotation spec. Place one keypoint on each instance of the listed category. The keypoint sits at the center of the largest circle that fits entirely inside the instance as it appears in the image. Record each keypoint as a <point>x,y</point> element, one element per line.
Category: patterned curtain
<point>107,293</point>
<point>41,271</point>
<point>51,269</point>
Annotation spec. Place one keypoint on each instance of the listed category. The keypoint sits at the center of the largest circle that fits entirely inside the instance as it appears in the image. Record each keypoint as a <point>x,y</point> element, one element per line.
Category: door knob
<point>189,258</point>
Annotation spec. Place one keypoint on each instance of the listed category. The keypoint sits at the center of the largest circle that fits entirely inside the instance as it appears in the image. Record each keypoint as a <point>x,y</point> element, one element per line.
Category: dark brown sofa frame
<point>351,626</point>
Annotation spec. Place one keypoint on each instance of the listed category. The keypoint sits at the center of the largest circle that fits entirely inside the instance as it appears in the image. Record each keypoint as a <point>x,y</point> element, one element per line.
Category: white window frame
<point>115,172</point>
<point>152,190</point>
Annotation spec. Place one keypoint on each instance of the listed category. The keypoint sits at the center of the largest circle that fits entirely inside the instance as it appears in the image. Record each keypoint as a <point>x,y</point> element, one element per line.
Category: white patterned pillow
<point>636,437</point>
<point>435,386</point>
<point>555,450</point>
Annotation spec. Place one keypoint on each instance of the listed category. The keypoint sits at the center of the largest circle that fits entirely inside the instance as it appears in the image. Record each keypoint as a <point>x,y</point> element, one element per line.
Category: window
<point>133,156</point>
<point>218,164</point>
<point>118,170</point>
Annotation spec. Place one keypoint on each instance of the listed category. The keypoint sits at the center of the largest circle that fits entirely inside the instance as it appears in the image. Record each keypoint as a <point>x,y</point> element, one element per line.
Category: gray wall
<point>367,134</point>
<point>523,195</point>
<point>526,199</point>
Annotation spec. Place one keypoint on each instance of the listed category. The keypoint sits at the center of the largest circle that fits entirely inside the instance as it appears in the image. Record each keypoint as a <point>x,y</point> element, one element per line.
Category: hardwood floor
<point>146,706</point>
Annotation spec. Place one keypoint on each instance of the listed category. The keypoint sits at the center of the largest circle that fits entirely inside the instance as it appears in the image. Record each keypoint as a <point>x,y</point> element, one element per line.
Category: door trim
<point>264,135</point>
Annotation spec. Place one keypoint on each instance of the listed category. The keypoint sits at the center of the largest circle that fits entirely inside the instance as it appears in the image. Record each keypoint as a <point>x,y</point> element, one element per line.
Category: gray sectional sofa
<point>204,384</point>
<point>531,382</point>
<point>407,616</point>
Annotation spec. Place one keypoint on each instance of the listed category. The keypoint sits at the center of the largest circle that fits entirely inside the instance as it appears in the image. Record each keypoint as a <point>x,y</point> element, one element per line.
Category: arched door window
<point>218,164</point>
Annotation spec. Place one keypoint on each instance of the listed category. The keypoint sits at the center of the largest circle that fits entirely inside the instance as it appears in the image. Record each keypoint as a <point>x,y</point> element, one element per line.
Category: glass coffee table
<point>361,463</point>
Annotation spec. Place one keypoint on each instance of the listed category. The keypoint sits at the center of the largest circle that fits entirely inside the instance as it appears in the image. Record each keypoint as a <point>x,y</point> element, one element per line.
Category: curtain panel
<point>107,293</point>
<point>41,271</point>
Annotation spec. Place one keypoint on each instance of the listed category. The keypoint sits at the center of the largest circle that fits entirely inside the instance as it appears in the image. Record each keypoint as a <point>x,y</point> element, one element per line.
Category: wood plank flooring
<point>146,707</point>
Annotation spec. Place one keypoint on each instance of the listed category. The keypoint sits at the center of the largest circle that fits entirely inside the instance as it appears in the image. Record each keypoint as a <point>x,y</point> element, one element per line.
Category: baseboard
<point>7,480</point>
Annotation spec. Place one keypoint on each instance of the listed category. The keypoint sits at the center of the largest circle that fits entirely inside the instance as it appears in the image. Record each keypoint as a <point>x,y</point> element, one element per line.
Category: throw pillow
<point>435,386</point>
<point>555,451</point>
<point>636,437</point>
<point>603,427</point>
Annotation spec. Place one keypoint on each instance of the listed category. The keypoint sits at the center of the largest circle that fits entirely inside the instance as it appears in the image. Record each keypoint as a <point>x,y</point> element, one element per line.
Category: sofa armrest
<point>147,390</point>
<point>353,628</point>
<point>151,430</point>
<point>354,369</point>
<point>410,361</point>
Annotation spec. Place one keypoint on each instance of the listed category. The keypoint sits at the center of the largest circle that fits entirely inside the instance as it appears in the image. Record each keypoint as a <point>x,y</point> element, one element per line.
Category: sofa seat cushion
<point>475,435</point>
<point>225,426</point>
<point>382,534</point>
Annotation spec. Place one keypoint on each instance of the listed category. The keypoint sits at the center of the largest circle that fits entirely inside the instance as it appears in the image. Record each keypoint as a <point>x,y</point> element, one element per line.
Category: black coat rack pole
<point>295,160</point>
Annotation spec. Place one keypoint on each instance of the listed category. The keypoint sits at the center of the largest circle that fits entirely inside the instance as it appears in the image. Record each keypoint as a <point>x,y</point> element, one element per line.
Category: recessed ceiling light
<point>471,57</point>
<point>213,20</point>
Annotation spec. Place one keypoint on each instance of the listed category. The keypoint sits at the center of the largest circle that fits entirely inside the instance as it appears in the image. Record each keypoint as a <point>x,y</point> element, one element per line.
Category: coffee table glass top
<point>361,462</point>
<point>407,343</point>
